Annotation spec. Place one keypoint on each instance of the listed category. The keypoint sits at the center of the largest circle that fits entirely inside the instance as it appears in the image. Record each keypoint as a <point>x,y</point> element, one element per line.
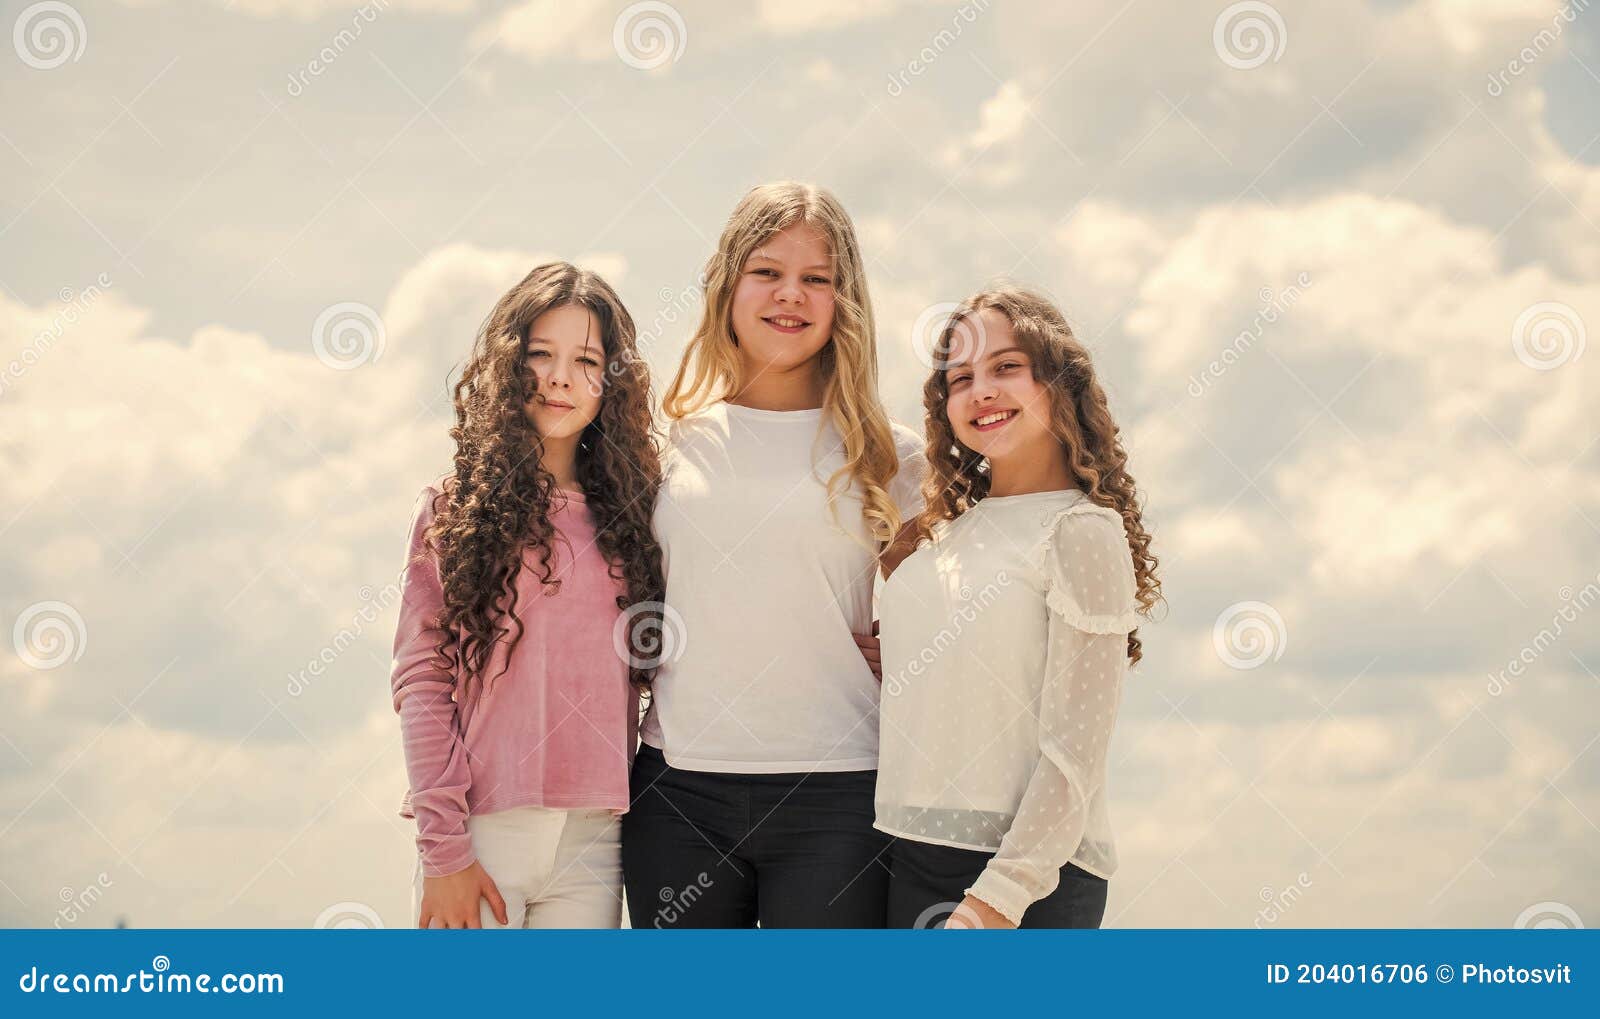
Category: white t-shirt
<point>764,591</point>
<point>1004,649</point>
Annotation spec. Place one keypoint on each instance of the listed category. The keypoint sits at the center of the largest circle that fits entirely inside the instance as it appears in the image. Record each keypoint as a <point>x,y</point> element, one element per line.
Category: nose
<point>559,376</point>
<point>983,388</point>
<point>788,292</point>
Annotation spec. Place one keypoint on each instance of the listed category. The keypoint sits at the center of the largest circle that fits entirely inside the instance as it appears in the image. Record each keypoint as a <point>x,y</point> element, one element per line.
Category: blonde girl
<point>783,479</point>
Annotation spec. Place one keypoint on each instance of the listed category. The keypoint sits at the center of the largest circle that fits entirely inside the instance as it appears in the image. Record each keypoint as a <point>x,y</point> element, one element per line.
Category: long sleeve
<point>1090,596</point>
<point>436,756</point>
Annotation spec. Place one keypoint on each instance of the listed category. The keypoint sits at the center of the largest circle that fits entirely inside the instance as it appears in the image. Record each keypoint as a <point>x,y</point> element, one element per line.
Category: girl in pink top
<point>531,568</point>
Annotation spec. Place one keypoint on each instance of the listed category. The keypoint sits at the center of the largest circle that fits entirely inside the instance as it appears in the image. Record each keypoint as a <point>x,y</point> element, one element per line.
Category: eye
<point>591,362</point>
<point>537,353</point>
<point>820,280</point>
<point>773,273</point>
<point>1009,365</point>
<point>958,380</point>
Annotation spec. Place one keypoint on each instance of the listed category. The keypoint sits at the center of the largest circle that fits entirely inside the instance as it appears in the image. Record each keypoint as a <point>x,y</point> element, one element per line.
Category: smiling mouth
<point>993,420</point>
<point>786,323</point>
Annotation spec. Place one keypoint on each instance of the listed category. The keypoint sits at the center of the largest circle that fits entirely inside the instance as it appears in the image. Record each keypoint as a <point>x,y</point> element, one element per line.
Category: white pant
<point>554,868</point>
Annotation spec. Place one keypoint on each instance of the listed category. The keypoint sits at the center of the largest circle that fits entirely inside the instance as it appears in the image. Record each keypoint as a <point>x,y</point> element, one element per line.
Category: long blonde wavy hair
<point>958,477</point>
<point>711,369</point>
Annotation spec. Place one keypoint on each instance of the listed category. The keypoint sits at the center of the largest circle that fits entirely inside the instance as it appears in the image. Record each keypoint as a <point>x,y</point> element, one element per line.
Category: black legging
<point>707,849</point>
<point>928,883</point>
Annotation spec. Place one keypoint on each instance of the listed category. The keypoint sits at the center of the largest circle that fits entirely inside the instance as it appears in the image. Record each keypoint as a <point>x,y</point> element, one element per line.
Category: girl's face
<point>783,301</point>
<point>994,405</point>
<point>568,365</point>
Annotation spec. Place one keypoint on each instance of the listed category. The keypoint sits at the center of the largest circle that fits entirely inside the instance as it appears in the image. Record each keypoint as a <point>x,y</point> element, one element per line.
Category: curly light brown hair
<point>496,505</point>
<point>958,477</point>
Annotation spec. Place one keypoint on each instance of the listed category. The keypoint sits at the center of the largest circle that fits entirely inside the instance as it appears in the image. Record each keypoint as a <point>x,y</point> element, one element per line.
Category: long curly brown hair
<point>496,505</point>
<point>958,477</point>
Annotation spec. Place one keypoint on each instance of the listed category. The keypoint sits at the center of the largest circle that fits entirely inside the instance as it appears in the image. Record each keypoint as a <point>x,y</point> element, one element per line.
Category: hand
<point>871,651</point>
<point>975,914</point>
<point>451,901</point>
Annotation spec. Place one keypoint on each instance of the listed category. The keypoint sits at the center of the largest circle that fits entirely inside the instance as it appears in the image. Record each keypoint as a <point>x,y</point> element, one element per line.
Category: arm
<point>436,757</point>
<point>895,552</point>
<point>1090,588</point>
<point>905,488</point>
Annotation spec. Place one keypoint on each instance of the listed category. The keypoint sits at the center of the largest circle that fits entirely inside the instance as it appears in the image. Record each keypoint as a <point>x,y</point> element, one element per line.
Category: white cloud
<point>306,10</point>
<point>214,499</point>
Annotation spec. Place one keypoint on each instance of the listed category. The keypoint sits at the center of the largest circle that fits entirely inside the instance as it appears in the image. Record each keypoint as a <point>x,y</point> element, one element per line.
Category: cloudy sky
<point>1337,263</point>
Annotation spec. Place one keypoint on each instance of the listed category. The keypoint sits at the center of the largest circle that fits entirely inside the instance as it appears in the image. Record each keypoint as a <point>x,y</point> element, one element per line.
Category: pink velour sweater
<point>556,729</point>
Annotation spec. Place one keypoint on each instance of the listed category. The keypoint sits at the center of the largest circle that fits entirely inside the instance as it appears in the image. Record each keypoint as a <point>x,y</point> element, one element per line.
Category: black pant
<point>928,882</point>
<point>706,849</point>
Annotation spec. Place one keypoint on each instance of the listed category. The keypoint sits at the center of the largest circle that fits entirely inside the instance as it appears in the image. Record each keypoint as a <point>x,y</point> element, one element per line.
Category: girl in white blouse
<point>1006,635</point>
